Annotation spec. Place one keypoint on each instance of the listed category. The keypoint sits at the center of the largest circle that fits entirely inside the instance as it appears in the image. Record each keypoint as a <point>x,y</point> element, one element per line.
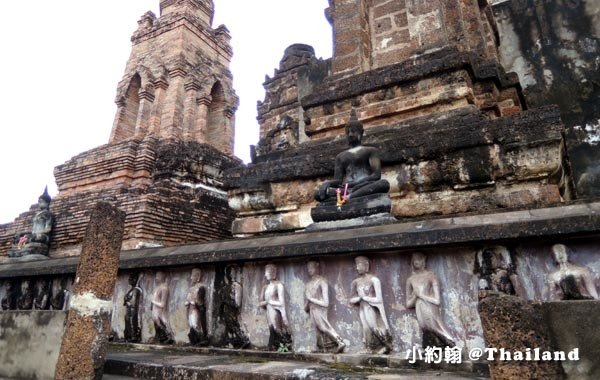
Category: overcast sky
<point>61,62</point>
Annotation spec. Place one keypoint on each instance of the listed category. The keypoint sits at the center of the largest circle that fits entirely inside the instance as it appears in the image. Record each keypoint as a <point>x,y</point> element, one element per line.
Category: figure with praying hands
<point>273,300</point>
<point>367,296</point>
<point>423,294</point>
<point>316,304</point>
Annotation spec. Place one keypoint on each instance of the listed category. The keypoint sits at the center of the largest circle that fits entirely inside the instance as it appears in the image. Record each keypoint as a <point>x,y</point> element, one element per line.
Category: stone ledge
<point>136,359</point>
<point>414,68</point>
<point>575,220</point>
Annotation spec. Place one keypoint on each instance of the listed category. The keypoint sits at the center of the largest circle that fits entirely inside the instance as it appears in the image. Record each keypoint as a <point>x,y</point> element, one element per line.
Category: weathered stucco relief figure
<point>160,300</point>
<point>366,294</point>
<point>316,303</point>
<point>25,300</point>
<point>195,303</point>
<point>9,301</point>
<point>131,301</point>
<point>570,281</point>
<point>62,297</point>
<point>41,294</point>
<point>273,300</point>
<point>496,271</point>
<point>38,241</point>
<point>358,168</point>
<point>230,296</point>
<point>423,294</point>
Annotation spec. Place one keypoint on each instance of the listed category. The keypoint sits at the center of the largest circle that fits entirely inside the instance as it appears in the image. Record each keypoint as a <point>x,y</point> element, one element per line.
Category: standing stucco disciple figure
<point>423,294</point>
<point>195,303</point>
<point>38,241</point>
<point>9,301</point>
<point>316,296</point>
<point>25,300</point>
<point>160,300</point>
<point>366,294</point>
<point>496,272</point>
<point>41,294</point>
<point>62,297</point>
<point>230,296</point>
<point>132,301</point>
<point>570,281</point>
<point>273,300</point>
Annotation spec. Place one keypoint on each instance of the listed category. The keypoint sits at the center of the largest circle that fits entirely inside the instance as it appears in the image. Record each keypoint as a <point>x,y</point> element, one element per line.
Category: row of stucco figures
<point>423,293</point>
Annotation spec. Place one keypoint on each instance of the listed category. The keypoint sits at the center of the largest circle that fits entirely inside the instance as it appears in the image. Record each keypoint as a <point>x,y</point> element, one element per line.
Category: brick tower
<point>171,140</point>
<point>177,84</point>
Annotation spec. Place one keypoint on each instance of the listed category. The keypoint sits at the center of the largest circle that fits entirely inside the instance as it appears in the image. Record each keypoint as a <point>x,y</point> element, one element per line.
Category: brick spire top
<point>204,9</point>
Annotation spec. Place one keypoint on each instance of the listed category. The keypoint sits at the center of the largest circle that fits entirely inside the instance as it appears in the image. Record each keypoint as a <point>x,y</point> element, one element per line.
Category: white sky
<point>61,61</point>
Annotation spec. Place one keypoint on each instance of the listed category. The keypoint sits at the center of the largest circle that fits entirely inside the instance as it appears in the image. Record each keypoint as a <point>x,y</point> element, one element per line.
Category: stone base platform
<point>363,221</point>
<point>159,362</point>
<point>355,208</point>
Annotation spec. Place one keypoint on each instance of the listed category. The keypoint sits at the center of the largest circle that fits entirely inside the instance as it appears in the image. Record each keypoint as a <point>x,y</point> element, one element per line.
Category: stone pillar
<point>143,117</point>
<point>514,324</point>
<point>190,109</point>
<point>200,127</point>
<point>172,117</point>
<point>160,91</point>
<point>351,37</point>
<point>228,140</point>
<point>115,132</point>
<point>83,349</point>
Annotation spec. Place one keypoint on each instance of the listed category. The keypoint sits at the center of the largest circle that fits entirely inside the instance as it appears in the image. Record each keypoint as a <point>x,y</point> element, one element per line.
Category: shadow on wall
<point>554,47</point>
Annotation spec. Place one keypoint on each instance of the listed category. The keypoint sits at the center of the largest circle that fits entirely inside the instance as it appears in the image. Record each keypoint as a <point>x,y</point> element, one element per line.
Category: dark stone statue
<point>38,241</point>
<point>357,188</point>
<point>9,301</point>
<point>133,330</point>
<point>230,298</point>
<point>25,300</point>
<point>41,295</point>
<point>496,271</point>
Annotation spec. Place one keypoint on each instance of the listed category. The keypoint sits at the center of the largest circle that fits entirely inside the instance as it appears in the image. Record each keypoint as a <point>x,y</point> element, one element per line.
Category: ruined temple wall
<point>554,46</point>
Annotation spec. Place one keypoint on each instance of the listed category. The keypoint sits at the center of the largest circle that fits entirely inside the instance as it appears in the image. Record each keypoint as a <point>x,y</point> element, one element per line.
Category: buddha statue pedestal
<point>31,251</point>
<point>369,207</point>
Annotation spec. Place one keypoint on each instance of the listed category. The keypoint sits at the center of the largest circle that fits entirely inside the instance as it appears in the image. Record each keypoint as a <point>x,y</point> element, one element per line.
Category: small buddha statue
<point>357,177</point>
<point>38,241</point>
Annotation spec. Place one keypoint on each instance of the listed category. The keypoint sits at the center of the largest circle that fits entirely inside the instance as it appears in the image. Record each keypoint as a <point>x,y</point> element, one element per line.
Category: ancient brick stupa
<point>171,140</point>
<point>479,245</point>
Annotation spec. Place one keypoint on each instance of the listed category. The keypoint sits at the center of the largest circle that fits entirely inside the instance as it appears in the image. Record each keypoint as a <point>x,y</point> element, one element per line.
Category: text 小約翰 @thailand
<point>454,355</point>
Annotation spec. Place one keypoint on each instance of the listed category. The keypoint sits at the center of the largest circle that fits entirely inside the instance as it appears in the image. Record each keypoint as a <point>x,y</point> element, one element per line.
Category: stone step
<point>170,363</point>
